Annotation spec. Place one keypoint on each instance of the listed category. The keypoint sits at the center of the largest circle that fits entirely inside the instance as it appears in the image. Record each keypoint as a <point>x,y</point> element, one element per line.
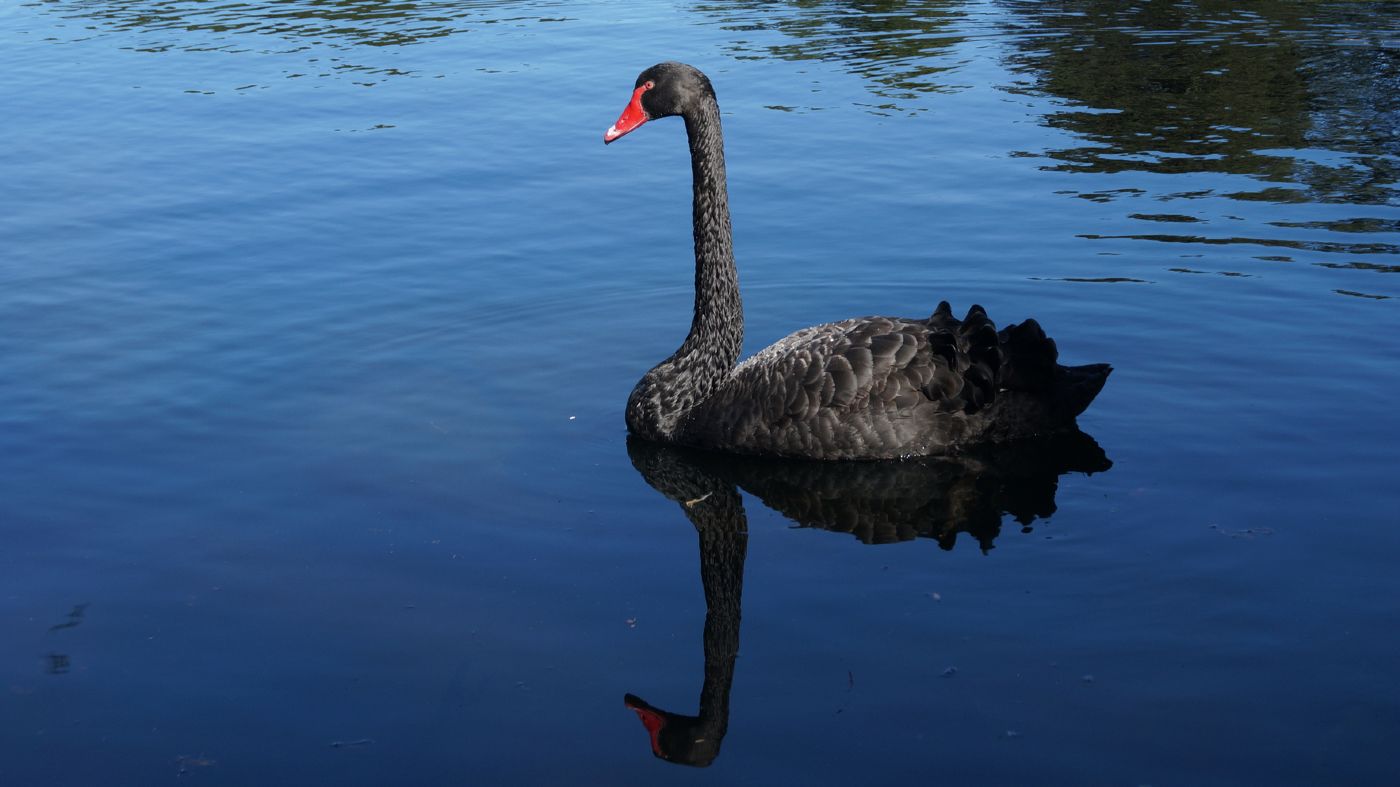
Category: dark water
<point>317,320</point>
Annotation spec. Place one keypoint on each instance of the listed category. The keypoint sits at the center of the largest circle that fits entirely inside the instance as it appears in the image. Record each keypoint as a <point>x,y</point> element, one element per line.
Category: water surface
<point>317,320</point>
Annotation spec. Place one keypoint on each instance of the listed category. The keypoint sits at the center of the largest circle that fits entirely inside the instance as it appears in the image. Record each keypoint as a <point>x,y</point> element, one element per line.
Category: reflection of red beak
<point>632,117</point>
<point>651,718</point>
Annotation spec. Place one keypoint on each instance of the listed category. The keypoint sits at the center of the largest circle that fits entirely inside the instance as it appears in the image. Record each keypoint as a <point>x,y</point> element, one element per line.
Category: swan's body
<point>867,388</point>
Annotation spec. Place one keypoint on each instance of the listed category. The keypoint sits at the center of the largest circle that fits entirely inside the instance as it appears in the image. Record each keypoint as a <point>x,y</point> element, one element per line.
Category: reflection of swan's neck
<point>722,554</point>
<point>711,349</point>
<point>718,516</point>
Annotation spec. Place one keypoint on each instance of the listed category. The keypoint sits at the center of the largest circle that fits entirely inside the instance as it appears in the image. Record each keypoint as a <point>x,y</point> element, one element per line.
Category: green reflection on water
<point>1157,86</point>
<point>900,49</point>
<point>284,27</point>
<point>1223,87</point>
<point>343,22</point>
<point>1302,99</point>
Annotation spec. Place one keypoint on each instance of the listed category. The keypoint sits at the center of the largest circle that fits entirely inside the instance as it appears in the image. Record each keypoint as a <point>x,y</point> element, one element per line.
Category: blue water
<point>317,320</point>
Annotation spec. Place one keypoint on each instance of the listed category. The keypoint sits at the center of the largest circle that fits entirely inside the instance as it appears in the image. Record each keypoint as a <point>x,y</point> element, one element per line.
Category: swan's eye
<point>649,85</point>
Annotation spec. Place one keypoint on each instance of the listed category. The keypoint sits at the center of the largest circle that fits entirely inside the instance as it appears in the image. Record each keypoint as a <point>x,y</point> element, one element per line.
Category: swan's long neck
<point>718,326</point>
<point>664,395</point>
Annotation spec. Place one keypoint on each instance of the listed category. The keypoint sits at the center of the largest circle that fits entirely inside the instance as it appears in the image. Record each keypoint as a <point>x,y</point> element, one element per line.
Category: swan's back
<point>887,387</point>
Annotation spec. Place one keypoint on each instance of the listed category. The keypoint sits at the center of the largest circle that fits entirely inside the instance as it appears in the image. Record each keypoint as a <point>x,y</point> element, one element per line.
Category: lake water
<point>317,320</point>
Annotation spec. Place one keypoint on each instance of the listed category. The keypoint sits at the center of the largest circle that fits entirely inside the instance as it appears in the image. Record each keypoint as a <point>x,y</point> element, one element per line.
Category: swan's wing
<point>873,363</point>
<point>873,387</point>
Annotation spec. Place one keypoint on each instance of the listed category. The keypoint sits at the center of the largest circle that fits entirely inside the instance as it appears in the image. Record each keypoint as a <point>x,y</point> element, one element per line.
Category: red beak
<point>651,718</point>
<point>632,117</point>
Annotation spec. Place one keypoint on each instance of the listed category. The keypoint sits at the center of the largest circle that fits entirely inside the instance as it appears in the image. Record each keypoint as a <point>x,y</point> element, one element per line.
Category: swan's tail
<point>1076,387</point>
<point>1035,394</point>
<point>1030,363</point>
<point>1028,358</point>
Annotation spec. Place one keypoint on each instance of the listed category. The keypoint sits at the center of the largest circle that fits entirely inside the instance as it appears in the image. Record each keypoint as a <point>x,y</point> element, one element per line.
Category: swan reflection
<point>877,502</point>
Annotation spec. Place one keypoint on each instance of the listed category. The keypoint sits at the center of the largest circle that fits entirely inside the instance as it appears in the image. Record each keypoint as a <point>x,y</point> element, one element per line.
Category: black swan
<point>867,388</point>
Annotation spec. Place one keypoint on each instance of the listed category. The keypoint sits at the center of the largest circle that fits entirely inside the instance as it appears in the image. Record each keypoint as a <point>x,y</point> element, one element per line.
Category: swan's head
<point>684,740</point>
<point>664,89</point>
